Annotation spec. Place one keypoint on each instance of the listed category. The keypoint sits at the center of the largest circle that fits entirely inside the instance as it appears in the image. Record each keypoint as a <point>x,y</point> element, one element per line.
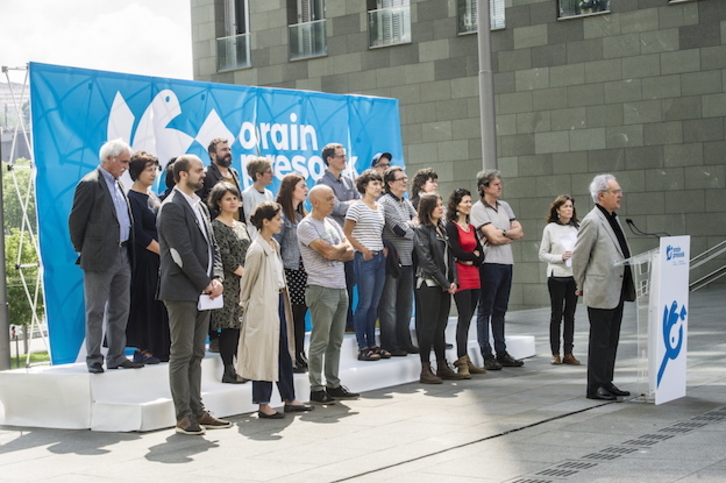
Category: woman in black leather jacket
<point>435,282</point>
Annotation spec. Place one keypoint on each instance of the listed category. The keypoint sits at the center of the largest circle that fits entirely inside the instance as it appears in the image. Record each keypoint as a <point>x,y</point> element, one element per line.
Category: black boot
<point>230,375</point>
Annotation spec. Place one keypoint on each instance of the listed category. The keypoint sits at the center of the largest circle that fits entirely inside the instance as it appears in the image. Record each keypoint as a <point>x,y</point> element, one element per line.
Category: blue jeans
<point>395,313</point>
<point>350,283</point>
<point>371,276</point>
<point>262,390</point>
<point>496,283</point>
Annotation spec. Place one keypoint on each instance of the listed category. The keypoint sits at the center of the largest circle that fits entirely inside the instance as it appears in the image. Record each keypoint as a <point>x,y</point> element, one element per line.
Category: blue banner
<point>74,111</point>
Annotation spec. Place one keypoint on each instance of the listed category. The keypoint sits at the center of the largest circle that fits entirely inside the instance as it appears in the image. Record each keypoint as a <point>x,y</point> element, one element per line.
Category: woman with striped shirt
<point>364,228</point>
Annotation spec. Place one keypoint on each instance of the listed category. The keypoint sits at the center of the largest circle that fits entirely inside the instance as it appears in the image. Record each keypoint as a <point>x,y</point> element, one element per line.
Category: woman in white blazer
<point>266,348</point>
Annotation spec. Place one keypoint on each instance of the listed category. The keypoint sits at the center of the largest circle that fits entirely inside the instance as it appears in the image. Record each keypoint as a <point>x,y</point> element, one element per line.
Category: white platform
<point>67,396</point>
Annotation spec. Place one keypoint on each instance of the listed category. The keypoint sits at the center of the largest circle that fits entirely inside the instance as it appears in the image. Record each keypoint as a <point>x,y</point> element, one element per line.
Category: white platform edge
<point>68,397</point>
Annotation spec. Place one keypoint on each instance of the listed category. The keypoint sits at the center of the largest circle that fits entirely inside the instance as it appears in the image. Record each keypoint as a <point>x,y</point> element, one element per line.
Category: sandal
<point>367,355</point>
<point>381,352</point>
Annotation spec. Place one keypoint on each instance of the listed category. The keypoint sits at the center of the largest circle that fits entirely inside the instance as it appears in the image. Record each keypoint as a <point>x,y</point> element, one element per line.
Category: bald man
<point>324,250</point>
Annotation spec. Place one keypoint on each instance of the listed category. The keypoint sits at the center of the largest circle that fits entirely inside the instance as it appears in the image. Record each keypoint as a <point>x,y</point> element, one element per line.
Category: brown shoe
<point>444,371</point>
<point>188,425</point>
<point>556,359</point>
<point>570,359</point>
<point>428,377</point>
<point>208,421</point>
<point>472,368</point>
<point>462,366</point>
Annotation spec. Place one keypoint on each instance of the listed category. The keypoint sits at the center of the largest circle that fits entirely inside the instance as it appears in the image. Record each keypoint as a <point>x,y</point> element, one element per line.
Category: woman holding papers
<point>558,241</point>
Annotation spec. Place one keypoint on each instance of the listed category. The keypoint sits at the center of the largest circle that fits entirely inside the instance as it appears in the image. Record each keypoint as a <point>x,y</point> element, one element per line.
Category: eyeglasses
<point>340,156</point>
<point>404,179</point>
<point>383,165</point>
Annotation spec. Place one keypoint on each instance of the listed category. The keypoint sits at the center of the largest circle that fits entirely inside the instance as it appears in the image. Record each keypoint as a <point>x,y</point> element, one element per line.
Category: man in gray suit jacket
<point>190,266</point>
<point>101,229</point>
<point>600,245</point>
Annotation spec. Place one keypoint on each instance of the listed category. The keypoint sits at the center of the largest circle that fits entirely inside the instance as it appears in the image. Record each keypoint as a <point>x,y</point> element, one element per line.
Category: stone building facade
<point>638,90</point>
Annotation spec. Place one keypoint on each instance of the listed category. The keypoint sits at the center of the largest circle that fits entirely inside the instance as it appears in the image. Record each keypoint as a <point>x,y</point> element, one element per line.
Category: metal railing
<point>308,39</point>
<point>703,258</point>
<point>389,26</point>
<point>233,52</point>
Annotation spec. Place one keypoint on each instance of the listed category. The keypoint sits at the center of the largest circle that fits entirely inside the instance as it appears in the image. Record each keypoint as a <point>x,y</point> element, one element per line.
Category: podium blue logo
<point>674,252</point>
<point>673,339</point>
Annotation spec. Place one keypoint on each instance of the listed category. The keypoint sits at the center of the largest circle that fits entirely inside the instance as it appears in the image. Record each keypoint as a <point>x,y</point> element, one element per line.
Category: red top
<point>468,274</point>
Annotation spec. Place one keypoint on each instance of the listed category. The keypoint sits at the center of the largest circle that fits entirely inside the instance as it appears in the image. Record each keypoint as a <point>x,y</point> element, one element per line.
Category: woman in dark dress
<point>233,241</point>
<point>148,325</point>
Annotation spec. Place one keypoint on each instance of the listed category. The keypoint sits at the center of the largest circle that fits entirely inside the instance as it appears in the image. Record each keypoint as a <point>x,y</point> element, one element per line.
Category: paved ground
<point>527,425</point>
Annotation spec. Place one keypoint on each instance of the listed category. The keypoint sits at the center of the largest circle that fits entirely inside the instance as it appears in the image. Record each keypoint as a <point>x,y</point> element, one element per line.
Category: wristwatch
<point>504,232</point>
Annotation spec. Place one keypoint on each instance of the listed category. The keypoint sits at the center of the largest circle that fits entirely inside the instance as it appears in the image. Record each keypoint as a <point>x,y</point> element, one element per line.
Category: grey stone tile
<point>664,40</point>
<point>684,108</point>
<point>585,50</point>
<point>680,61</point>
<point>642,112</point>
<point>641,66</point>
<point>663,133</point>
<point>621,46</point>
<point>700,130</point>
<point>706,34</point>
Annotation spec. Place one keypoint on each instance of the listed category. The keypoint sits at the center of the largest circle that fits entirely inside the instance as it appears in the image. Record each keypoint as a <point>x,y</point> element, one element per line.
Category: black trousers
<point>563,302</point>
<point>435,305</point>
<point>466,302</point>
<point>603,346</point>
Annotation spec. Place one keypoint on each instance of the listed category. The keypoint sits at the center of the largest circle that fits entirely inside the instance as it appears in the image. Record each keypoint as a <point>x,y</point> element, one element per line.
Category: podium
<point>661,287</point>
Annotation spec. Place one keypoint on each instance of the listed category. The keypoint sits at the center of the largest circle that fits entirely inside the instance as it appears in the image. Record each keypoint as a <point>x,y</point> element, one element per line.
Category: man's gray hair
<point>483,178</point>
<point>113,149</point>
<point>600,183</point>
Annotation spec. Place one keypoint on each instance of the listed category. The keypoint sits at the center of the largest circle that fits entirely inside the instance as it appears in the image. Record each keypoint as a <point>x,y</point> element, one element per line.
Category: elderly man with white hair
<point>101,229</point>
<point>600,245</point>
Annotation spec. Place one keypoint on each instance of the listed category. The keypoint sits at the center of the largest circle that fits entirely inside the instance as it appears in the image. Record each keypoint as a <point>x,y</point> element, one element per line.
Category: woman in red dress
<point>468,254</point>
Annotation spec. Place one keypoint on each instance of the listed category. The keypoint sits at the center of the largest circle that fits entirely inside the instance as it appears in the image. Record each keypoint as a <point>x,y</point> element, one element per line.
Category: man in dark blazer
<point>101,230</point>
<point>600,245</point>
<point>190,266</point>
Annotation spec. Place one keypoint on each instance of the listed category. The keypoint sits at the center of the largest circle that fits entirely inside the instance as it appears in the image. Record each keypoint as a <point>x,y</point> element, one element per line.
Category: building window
<point>467,16</point>
<point>233,48</point>
<point>306,19</point>
<point>573,8</point>
<point>389,22</point>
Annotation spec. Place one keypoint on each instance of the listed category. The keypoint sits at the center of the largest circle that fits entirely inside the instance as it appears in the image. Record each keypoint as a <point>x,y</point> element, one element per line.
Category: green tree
<point>20,311</point>
<point>19,174</point>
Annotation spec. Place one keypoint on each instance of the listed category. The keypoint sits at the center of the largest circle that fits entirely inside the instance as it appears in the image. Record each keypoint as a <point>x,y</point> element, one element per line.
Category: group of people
<point>209,260</point>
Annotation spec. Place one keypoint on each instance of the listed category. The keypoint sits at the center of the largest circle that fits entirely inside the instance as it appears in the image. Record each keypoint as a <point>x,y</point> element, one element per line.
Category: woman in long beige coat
<point>266,347</point>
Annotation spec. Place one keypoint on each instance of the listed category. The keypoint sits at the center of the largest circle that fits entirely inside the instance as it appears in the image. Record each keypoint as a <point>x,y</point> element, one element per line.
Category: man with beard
<point>220,169</point>
<point>190,266</point>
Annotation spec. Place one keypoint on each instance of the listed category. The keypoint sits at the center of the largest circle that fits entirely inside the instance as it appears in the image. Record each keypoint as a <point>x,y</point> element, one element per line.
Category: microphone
<point>638,232</point>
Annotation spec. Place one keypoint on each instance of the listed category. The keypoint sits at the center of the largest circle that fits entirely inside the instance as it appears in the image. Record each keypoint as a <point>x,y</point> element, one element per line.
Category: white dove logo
<point>152,134</point>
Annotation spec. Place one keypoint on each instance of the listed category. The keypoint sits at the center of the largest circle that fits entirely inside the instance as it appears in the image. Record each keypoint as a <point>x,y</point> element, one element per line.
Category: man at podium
<point>600,245</point>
